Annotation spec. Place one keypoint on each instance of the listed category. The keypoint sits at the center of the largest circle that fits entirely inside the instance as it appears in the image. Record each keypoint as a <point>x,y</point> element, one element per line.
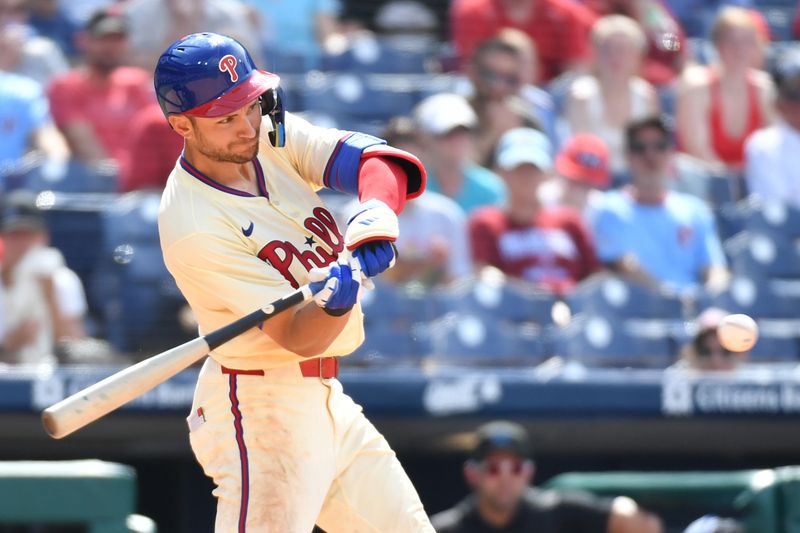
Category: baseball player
<point>241,225</point>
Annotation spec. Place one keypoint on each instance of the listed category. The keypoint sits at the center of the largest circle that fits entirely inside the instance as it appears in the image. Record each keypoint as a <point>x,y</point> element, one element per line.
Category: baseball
<point>737,333</point>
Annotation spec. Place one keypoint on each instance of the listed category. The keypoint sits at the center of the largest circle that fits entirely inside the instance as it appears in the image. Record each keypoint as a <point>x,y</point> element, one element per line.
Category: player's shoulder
<point>185,208</point>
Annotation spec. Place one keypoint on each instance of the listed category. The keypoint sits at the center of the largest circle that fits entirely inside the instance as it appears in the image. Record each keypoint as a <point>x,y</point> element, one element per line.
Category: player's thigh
<point>270,456</point>
<point>372,493</point>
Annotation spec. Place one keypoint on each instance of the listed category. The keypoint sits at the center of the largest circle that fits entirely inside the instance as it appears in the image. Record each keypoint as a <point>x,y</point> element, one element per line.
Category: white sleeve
<point>69,294</point>
<point>762,171</point>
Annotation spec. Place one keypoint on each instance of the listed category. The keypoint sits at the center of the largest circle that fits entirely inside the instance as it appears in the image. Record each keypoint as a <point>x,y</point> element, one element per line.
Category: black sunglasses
<point>639,147</point>
<point>493,77</point>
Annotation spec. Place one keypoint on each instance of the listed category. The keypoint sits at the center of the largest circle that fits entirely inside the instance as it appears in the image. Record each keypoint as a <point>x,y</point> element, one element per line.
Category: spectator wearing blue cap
<point>499,473</point>
<point>772,155</point>
<point>547,246</point>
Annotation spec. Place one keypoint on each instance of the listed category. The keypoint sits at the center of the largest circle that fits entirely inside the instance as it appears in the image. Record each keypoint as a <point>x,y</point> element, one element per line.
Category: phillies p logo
<point>228,64</point>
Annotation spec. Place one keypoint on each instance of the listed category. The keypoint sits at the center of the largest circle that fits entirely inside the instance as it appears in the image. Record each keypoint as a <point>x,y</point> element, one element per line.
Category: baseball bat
<point>95,401</point>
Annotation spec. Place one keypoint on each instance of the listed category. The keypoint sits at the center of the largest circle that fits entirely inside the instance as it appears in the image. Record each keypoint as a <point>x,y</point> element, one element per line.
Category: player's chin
<point>244,153</point>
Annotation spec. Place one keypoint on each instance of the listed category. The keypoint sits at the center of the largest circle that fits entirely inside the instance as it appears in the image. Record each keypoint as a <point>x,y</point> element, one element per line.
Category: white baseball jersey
<point>231,252</point>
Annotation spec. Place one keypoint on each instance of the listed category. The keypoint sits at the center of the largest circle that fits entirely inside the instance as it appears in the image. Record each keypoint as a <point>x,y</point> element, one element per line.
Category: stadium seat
<point>614,296</point>
<point>390,304</point>
<point>141,300</point>
<point>373,56</point>
<point>760,255</point>
<point>754,297</point>
<point>496,300</point>
<point>778,340</point>
<point>351,99</point>
<point>465,338</point>
<point>773,219</point>
<point>391,345</point>
<point>599,341</point>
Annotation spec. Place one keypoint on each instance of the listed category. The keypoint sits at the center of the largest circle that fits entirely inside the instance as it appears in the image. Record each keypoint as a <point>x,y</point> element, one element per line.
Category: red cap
<point>584,158</point>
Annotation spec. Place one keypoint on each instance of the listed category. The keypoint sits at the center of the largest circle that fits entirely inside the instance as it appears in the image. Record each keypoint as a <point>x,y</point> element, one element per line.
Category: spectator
<point>613,95</point>
<point>704,352</point>
<point>44,301</point>
<point>499,473</point>
<point>665,42</point>
<point>558,28</point>
<point>94,104</point>
<point>549,247</point>
<point>24,52</point>
<point>433,247</point>
<point>153,151</point>
<point>772,155</point>
<point>154,24</point>
<point>654,235</point>
<point>447,122</point>
<point>296,29</point>
<point>719,106</point>
<point>503,95</point>
<point>582,165</point>
<point>50,19</point>
<point>25,124</point>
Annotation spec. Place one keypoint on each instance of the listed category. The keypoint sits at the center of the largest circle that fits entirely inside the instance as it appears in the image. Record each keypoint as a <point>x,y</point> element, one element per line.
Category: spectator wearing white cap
<point>547,246</point>
<point>772,155</point>
<point>446,123</point>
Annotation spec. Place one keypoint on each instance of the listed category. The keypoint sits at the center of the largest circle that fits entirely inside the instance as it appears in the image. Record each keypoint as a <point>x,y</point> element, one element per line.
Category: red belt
<point>320,367</point>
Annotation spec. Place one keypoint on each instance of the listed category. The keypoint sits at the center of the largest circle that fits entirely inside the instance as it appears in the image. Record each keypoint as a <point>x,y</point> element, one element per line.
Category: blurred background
<point>607,179</point>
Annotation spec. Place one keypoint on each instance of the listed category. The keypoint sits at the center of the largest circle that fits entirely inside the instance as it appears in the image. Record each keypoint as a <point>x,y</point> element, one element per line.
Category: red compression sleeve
<point>382,179</point>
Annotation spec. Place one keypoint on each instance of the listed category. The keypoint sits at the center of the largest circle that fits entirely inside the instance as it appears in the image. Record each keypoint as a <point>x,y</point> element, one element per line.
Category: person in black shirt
<point>499,473</point>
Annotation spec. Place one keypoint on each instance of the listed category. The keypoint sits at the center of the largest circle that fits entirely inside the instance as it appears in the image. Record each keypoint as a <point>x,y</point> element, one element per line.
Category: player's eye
<point>225,120</point>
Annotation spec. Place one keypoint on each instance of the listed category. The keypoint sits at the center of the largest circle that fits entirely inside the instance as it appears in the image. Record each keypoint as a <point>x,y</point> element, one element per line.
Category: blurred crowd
<point>565,140</point>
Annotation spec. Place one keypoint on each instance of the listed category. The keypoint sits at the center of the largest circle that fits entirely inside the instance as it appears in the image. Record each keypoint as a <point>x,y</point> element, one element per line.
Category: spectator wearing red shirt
<point>154,149</point>
<point>93,105</point>
<point>547,246</point>
<point>558,28</point>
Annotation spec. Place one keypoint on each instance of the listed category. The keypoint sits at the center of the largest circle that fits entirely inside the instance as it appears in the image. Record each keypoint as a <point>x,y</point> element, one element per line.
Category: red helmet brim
<point>259,82</point>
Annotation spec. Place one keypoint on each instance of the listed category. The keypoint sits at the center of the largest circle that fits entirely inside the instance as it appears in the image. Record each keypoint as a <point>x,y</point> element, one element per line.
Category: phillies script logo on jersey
<point>228,64</point>
<point>323,228</point>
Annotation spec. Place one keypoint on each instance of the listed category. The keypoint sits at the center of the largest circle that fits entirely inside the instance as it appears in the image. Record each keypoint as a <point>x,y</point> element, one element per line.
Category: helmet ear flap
<point>272,106</point>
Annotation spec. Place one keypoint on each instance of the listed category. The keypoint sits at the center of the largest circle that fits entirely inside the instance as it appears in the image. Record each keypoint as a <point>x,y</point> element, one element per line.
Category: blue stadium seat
<point>731,219</point>
<point>599,341</point>
<point>386,344</point>
<point>77,177</point>
<point>350,98</point>
<point>779,16</point>
<point>760,255</point>
<point>390,304</point>
<point>141,300</point>
<point>470,338</point>
<point>778,340</point>
<point>754,297</point>
<point>613,296</point>
<point>505,301</point>
<point>376,57</point>
<point>773,219</point>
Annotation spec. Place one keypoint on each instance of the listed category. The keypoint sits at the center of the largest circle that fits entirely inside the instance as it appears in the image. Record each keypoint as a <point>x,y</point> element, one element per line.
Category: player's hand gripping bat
<point>96,401</point>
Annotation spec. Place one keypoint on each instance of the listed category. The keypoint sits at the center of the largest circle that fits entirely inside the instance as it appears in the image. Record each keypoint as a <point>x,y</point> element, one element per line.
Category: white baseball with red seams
<point>737,333</point>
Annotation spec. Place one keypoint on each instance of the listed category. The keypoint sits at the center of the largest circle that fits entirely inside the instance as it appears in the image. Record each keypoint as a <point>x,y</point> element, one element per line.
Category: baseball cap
<point>21,217</point>
<point>523,145</point>
<point>107,21</point>
<point>584,158</point>
<point>501,435</point>
<point>444,112</point>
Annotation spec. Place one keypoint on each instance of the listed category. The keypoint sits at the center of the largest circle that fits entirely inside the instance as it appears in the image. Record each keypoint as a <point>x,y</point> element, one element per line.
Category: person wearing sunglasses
<point>651,234</point>
<point>500,471</point>
<point>704,352</point>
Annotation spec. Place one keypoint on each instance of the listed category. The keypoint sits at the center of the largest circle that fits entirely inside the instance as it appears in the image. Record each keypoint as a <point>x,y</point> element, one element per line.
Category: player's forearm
<point>309,332</point>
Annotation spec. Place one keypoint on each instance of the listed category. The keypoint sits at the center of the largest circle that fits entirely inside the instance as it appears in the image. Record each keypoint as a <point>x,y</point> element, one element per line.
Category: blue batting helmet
<point>209,75</point>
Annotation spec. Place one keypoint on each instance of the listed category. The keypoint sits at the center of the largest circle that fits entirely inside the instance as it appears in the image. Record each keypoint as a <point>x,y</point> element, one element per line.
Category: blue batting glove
<point>335,288</point>
<point>375,257</point>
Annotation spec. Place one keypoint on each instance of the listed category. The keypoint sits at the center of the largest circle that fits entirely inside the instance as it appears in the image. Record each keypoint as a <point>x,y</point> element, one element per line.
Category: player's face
<point>501,480</point>
<point>229,139</point>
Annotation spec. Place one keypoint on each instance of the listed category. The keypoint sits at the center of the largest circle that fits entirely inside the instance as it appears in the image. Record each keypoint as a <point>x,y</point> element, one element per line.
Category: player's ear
<point>182,125</point>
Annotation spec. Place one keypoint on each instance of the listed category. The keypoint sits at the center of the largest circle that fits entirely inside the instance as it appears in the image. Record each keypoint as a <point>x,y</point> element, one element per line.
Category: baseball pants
<point>287,451</point>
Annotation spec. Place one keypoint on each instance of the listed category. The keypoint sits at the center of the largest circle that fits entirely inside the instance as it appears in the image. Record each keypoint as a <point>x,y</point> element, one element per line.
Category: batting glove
<point>335,288</point>
<point>369,236</point>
